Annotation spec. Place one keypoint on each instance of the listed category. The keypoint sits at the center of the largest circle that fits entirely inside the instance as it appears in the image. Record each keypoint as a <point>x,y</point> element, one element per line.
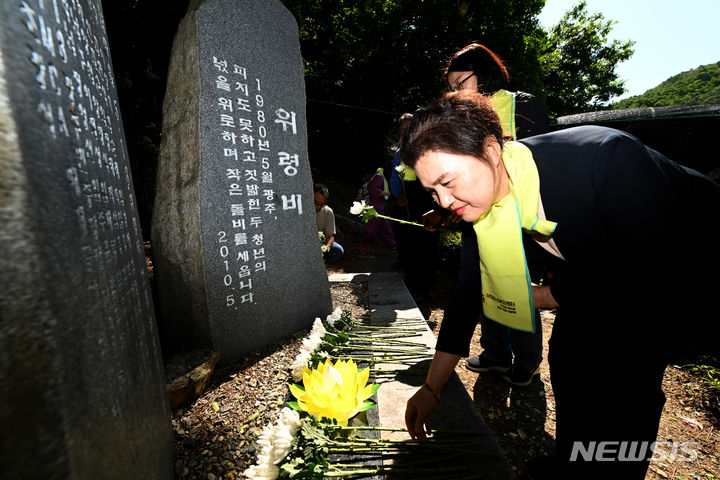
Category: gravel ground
<point>215,435</point>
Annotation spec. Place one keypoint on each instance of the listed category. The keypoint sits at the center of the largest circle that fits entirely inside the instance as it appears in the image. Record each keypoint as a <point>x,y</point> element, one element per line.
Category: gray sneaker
<point>480,364</point>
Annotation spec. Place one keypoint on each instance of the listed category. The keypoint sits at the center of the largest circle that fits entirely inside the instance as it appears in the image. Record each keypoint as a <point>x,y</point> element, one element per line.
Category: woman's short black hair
<point>489,69</point>
<point>320,188</point>
<point>458,122</point>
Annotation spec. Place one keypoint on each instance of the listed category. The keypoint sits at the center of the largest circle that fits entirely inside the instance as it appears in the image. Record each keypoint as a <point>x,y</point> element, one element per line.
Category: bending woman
<point>608,215</point>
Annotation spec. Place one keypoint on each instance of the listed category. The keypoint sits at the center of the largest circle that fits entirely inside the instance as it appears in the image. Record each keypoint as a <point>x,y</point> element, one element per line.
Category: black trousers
<point>606,372</point>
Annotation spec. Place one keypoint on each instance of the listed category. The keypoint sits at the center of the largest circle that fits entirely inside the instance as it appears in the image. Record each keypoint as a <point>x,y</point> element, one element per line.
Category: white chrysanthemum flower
<point>283,439</point>
<point>308,344</point>
<point>265,442</point>
<point>291,418</point>
<point>400,168</point>
<point>262,472</point>
<point>250,472</point>
<point>357,207</point>
<point>318,328</point>
<point>275,441</point>
<point>298,366</point>
<point>334,316</point>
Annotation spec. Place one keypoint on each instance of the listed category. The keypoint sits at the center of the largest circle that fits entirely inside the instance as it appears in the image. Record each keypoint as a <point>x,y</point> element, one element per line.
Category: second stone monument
<point>238,259</point>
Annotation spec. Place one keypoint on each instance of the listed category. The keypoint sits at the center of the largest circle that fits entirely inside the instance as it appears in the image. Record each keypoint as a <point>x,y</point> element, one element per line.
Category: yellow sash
<point>504,104</point>
<point>506,287</point>
<point>408,173</point>
<point>381,171</point>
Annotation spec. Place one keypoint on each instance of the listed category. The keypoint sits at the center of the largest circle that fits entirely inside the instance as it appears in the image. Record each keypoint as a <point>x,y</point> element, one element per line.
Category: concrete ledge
<point>456,417</point>
<point>348,277</point>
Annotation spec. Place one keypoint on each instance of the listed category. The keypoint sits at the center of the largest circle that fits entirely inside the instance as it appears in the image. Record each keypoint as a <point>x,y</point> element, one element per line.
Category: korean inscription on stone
<point>263,267</point>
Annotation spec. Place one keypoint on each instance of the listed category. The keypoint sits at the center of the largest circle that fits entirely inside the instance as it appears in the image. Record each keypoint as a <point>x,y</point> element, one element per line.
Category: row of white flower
<point>311,343</point>
<point>274,441</point>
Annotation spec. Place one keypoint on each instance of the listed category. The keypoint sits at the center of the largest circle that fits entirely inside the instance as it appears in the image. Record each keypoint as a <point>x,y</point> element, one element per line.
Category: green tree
<point>384,57</point>
<point>387,54</point>
<point>700,86</point>
<point>578,64</point>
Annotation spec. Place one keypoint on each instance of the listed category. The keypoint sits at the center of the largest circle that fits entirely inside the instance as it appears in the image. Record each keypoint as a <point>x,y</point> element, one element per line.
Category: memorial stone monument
<point>237,256</point>
<point>82,389</point>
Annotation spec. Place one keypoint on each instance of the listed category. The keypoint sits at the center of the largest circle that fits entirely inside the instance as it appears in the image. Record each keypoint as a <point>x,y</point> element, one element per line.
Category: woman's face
<point>465,80</point>
<point>463,183</point>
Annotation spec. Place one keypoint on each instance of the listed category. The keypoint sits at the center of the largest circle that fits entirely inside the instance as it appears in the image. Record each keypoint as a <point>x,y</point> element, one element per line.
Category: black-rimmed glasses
<point>458,85</point>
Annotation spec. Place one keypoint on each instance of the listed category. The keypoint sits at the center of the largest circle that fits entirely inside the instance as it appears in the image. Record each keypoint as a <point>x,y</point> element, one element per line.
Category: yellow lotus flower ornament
<point>336,392</point>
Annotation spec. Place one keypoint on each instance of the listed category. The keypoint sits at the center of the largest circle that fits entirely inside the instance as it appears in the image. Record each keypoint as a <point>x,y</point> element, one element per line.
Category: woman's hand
<point>543,297</point>
<point>417,414</point>
<point>431,218</point>
<point>421,405</point>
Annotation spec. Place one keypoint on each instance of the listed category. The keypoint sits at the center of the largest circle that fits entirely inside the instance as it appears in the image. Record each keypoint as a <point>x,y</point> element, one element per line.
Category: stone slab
<point>82,390</point>
<point>257,273</point>
<point>390,299</point>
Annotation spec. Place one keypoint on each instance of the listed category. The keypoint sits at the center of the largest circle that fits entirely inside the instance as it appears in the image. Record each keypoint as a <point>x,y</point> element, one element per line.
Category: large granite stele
<point>237,257</point>
<point>82,389</point>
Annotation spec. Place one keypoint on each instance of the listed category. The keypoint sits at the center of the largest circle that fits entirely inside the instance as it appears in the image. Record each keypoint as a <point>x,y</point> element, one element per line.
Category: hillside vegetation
<point>700,86</point>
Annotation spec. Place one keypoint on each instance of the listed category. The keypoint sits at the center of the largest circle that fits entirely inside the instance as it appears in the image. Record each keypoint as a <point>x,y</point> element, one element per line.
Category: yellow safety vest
<point>386,188</point>
<point>504,104</point>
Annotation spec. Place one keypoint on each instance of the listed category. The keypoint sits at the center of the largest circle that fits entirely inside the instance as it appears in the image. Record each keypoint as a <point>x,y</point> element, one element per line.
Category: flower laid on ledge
<point>367,213</point>
<point>310,453</point>
<point>307,348</point>
<point>275,443</point>
<point>304,442</point>
<point>334,391</point>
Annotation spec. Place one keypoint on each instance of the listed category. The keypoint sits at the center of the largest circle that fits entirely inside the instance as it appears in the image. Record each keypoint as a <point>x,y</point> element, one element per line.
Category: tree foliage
<point>367,61</point>
<point>700,86</point>
<point>578,63</point>
<point>388,54</point>
<point>384,57</point>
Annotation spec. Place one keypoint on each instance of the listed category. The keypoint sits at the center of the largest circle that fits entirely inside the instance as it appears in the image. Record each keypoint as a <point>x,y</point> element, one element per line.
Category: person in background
<point>325,219</point>
<point>418,250</point>
<point>475,67</point>
<point>516,354</point>
<point>379,193</point>
<point>611,213</point>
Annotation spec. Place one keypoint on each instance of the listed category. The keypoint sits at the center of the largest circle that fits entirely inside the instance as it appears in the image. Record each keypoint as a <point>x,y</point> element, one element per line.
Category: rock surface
<point>188,375</point>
